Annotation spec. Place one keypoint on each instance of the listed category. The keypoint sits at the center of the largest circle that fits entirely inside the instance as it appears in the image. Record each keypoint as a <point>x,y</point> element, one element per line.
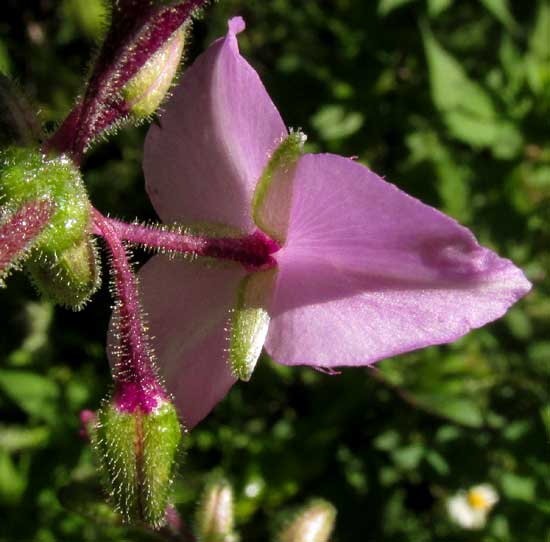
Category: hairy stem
<point>253,251</point>
<point>136,381</point>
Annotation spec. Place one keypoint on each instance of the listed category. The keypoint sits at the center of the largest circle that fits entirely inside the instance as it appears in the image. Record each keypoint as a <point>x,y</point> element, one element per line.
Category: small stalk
<point>253,251</point>
<point>136,381</point>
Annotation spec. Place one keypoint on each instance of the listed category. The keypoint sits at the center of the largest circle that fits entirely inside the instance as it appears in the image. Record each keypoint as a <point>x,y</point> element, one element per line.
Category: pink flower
<point>364,271</point>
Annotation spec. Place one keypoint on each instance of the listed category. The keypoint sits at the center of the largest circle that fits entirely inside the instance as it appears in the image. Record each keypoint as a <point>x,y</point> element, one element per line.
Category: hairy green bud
<point>147,89</point>
<point>214,518</point>
<point>63,262</point>
<point>314,522</point>
<point>137,456</point>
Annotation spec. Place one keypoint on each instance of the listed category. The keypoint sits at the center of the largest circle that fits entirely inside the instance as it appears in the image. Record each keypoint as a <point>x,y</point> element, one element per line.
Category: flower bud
<point>63,263</point>
<point>137,455</point>
<point>312,523</point>
<point>214,520</point>
<point>147,89</point>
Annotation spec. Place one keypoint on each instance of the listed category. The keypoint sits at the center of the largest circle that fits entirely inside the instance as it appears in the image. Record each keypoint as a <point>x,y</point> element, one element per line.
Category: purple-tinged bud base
<point>131,397</point>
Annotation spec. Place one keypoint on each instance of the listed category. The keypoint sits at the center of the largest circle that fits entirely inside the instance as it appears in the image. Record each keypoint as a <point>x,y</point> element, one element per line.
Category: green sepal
<point>273,195</point>
<point>71,278</point>
<point>147,89</point>
<point>162,438</point>
<point>115,447</point>
<point>137,457</point>
<point>250,322</point>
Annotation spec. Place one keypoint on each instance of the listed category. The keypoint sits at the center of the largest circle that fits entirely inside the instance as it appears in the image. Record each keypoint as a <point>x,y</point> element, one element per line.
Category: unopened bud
<point>137,455</point>
<point>214,521</point>
<point>147,89</point>
<point>312,523</point>
<point>64,260</point>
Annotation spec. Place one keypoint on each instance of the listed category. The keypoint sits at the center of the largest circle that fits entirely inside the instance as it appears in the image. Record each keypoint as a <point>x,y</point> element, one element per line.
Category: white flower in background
<point>469,509</point>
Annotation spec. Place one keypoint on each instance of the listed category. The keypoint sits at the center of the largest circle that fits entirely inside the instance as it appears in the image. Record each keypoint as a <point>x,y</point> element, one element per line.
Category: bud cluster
<point>63,261</point>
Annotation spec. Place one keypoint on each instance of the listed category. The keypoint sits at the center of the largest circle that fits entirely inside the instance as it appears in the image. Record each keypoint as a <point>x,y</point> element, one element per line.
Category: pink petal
<point>188,307</point>
<point>369,272</point>
<point>203,161</point>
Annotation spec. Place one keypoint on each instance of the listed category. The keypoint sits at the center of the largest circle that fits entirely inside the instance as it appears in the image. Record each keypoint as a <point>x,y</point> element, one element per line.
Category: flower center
<point>477,500</point>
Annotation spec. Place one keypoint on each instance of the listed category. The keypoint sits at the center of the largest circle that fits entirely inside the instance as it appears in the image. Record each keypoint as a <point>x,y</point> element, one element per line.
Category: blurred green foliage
<point>448,99</point>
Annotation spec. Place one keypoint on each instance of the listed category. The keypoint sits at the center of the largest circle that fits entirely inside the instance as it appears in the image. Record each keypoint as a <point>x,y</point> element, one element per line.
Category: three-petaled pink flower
<point>363,272</point>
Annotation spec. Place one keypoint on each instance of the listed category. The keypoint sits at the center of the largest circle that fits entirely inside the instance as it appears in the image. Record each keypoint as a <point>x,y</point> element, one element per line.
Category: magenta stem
<point>253,251</point>
<point>136,379</point>
<point>21,229</point>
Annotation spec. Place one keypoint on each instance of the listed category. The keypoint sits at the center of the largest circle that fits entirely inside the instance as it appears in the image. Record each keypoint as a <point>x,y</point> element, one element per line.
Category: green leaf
<point>35,394</point>
<point>409,457</point>
<point>461,410</point>
<point>13,480</point>
<point>385,7</point>
<point>518,487</point>
<point>5,60</point>
<point>437,7</point>
<point>545,416</point>
<point>452,89</point>
<point>468,110</point>
<point>15,438</point>
<point>501,11</point>
<point>539,42</point>
<point>438,463</point>
<point>334,122</point>
<point>89,15</point>
<point>538,59</point>
<point>387,441</point>
<point>453,177</point>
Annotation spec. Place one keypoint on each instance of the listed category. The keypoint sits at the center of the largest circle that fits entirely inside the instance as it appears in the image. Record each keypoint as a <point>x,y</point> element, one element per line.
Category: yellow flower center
<point>477,500</point>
